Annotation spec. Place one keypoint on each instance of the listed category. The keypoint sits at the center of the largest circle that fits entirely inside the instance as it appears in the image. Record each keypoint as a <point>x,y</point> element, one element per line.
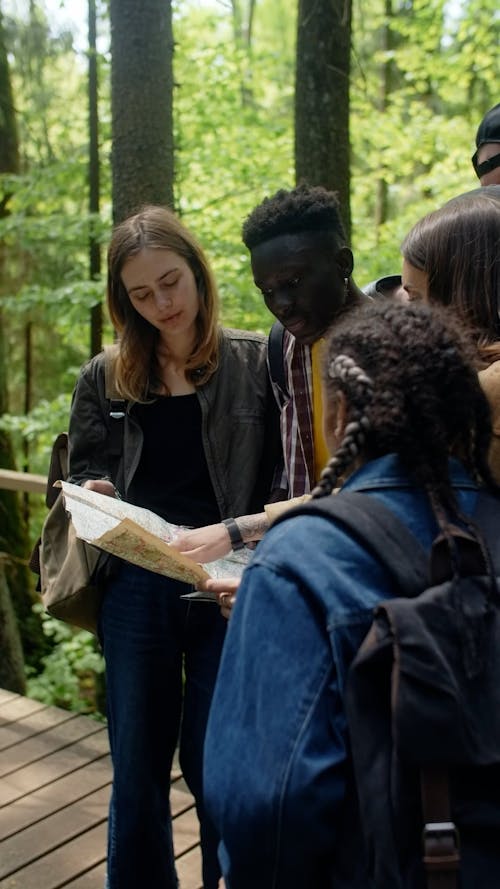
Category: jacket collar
<point>388,472</point>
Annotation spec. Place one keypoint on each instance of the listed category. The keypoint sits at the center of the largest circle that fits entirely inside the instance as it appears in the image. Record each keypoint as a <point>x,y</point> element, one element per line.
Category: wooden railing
<point>29,482</point>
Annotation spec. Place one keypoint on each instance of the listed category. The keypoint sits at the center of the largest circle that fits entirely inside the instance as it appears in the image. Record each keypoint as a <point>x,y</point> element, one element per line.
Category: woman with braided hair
<point>408,424</point>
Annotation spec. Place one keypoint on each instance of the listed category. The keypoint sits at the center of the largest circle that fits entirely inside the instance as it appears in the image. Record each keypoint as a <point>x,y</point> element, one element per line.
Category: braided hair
<point>306,208</point>
<point>408,377</point>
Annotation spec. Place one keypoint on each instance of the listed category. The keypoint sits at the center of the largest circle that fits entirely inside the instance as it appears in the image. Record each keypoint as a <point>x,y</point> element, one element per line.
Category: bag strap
<point>486,518</point>
<point>117,405</point>
<point>58,468</point>
<point>378,530</point>
<point>441,856</point>
<point>275,356</point>
<point>441,850</point>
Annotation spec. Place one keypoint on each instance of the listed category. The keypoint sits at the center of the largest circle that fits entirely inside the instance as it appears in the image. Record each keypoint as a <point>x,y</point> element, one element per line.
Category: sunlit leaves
<point>444,71</point>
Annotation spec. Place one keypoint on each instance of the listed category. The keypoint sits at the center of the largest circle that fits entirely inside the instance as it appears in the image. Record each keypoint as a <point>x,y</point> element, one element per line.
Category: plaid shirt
<point>296,419</point>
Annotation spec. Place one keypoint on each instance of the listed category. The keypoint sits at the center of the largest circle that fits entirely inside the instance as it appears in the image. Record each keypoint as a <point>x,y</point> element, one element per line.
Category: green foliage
<point>67,677</point>
<point>231,106</point>
<point>423,74</point>
<point>416,101</point>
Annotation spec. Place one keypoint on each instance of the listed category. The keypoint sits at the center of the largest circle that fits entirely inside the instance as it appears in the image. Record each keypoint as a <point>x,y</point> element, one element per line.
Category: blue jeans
<point>148,635</point>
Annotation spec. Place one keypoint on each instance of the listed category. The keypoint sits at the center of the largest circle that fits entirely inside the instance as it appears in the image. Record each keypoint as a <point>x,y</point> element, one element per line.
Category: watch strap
<point>234,532</point>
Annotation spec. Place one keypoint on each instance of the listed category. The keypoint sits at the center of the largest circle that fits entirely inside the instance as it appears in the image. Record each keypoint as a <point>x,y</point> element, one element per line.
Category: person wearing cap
<point>486,158</point>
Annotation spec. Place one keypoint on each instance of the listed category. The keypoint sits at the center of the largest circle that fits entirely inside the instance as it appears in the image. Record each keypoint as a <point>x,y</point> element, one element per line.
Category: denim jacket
<point>277,775</point>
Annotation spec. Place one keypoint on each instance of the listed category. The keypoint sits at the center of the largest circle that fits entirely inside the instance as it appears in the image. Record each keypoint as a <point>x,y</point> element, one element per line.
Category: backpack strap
<point>440,836</point>
<point>486,518</point>
<point>378,530</point>
<point>275,356</point>
<point>441,848</point>
<point>58,468</point>
<point>117,405</point>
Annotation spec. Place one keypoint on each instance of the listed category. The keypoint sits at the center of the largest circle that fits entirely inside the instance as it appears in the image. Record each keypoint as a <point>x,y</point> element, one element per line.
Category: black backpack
<point>275,356</point>
<point>423,701</point>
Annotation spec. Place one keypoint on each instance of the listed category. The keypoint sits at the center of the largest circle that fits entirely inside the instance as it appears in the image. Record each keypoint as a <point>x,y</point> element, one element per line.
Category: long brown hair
<point>457,247</point>
<point>136,367</point>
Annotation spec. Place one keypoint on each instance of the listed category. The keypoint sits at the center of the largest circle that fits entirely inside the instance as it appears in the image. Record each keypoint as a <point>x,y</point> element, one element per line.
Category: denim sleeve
<point>275,747</point>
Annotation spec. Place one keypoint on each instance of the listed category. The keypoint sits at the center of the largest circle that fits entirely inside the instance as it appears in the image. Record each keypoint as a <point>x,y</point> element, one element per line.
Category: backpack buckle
<point>441,846</point>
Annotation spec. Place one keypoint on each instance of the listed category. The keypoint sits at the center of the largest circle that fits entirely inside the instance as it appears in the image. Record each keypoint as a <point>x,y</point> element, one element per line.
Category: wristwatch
<point>234,532</point>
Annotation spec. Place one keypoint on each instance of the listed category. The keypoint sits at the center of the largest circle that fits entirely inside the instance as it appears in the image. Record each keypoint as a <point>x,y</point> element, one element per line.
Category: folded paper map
<point>140,536</point>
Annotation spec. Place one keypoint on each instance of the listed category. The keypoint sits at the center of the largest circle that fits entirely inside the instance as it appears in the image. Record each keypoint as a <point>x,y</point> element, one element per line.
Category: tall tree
<point>94,179</point>
<point>243,14</point>
<point>141,104</point>
<point>322,150</point>
<point>13,543</point>
<point>385,91</point>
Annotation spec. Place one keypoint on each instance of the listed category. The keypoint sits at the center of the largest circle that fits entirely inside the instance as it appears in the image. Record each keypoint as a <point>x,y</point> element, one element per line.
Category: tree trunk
<point>11,657</point>
<point>322,151</point>
<point>94,181</point>
<point>16,582</point>
<point>141,104</point>
<point>242,30</point>
<point>386,84</point>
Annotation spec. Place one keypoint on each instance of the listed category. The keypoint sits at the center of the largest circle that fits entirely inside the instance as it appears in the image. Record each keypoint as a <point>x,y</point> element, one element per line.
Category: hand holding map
<point>139,536</point>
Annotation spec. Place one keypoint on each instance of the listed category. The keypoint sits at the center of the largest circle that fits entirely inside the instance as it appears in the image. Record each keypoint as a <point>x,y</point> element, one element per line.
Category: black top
<point>172,477</point>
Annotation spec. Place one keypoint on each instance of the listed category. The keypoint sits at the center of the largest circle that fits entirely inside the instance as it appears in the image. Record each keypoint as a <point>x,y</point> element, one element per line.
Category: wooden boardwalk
<point>55,779</point>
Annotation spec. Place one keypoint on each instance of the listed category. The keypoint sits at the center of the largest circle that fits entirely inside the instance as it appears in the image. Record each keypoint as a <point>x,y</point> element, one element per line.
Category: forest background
<point>421,74</point>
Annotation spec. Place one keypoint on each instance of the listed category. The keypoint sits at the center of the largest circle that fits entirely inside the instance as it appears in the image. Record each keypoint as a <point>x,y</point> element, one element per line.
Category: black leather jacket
<point>240,427</point>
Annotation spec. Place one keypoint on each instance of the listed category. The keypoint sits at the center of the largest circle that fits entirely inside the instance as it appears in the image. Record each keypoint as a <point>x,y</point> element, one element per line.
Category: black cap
<point>489,128</point>
<point>382,285</point>
<point>488,131</point>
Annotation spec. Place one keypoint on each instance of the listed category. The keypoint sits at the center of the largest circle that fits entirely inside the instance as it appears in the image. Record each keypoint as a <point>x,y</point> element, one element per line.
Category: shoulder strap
<point>117,404</point>
<point>275,355</point>
<point>58,468</point>
<point>379,531</point>
<point>487,517</point>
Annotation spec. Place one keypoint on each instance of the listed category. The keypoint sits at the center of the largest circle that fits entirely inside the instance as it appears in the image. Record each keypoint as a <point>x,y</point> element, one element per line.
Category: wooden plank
<point>36,841</point>
<point>188,869</point>
<point>6,695</point>
<point>63,864</point>
<point>186,831</point>
<point>49,769</point>
<point>23,481</point>
<point>13,733</point>
<point>33,724</point>
<point>93,879</point>
<point>54,797</point>
<point>180,802</point>
<point>17,708</point>
<point>40,746</point>
<point>40,804</point>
